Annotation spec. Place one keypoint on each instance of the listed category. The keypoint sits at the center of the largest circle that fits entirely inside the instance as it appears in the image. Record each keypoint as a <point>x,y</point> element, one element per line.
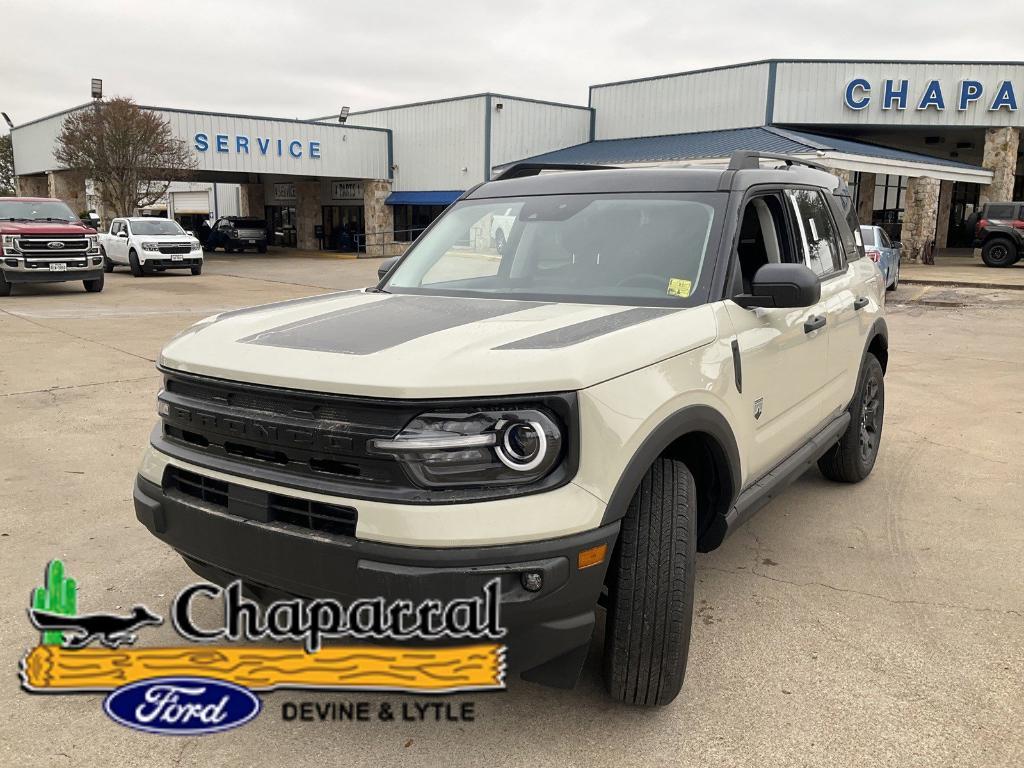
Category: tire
<point>108,265</point>
<point>650,589</point>
<point>197,269</point>
<point>853,457</point>
<point>895,279</point>
<point>5,287</point>
<point>262,248</point>
<point>94,286</point>
<point>999,252</point>
<point>133,262</point>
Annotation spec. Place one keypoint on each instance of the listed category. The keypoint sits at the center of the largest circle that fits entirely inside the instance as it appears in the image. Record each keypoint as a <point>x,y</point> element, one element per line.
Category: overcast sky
<point>306,58</point>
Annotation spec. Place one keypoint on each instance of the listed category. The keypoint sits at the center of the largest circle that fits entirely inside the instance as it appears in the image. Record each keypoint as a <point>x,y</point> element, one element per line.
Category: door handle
<point>860,302</point>
<point>813,323</point>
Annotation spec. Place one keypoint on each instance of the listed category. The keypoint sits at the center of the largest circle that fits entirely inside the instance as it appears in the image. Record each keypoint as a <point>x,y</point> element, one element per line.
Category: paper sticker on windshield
<point>679,287</point>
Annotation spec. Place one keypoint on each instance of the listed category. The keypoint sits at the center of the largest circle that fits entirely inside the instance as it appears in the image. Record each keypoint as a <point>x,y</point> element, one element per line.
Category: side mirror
<point>122,233</point>
<point>897,244</point>
<point>190,233</point>
<point>780,286</point>
<point>385,267</point>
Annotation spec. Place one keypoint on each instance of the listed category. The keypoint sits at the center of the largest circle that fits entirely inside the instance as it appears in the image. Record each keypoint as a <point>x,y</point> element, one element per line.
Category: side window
<point>999,211</point>
<point>848,225</point>
<point>817,233</point>
<point>763,239</point>
<point>224,224</point>
<point>115,227</point>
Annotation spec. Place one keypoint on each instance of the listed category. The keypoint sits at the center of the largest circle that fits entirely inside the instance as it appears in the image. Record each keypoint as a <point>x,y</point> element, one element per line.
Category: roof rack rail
<point>519,170</point>
<point>746,159</point>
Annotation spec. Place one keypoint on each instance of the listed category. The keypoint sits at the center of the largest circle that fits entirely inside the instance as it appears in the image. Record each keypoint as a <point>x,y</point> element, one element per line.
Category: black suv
<point>999,232</point>
<point>235,233</point>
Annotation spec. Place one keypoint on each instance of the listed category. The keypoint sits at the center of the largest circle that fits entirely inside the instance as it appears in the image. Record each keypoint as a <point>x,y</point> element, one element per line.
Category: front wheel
<point>5,287</point>
<point>999,252</point>
<point>650,589</point>
<point>94,286</point>
<point>133,262</point>
<point>197,269</point>
<point>108,265</point>
<point>853,457</point>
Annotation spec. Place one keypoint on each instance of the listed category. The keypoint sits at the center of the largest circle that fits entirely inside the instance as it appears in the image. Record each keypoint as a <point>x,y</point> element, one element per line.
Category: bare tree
<point>6,165</point>
<point>128,151</point>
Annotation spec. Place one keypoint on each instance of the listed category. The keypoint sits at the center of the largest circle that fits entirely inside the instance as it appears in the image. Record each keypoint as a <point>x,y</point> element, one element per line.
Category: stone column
<point>68,186</point>
<point>307,214</point>
<point>252,200</point>
<point>379,220</point>
<point>1000,157</point>
<point>942,221</point>
<point>32,186</point>
<point>920,212</point>
<point>866,198</point>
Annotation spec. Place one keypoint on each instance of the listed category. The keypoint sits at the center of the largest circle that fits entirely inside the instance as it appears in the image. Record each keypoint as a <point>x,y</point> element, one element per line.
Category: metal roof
<point>715,144</point>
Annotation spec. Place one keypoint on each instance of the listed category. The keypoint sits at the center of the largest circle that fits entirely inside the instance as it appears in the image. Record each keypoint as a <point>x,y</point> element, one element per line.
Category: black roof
<point>648,180</point>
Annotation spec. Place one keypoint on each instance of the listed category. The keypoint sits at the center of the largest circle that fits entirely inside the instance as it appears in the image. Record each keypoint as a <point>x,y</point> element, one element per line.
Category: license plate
<point>252,242</point>
<point>175,258</point>
<point>58,266</point>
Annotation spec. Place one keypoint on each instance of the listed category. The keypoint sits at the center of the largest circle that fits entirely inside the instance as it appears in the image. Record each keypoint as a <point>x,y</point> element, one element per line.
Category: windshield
<point>868,233</point>
<point>156,227</point>
<point>36,210</point>
<point>634,249</point>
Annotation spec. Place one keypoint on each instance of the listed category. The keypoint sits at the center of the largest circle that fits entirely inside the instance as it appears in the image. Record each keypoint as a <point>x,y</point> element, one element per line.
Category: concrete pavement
<point>876,624</point>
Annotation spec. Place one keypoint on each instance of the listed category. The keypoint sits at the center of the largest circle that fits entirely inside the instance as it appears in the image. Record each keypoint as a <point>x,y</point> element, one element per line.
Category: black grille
<point>175,248</point>
<point>314,515</point>
<point>200,487</point>
<point>30,264</point>
<point>302,433</point>
<point>254,504</point>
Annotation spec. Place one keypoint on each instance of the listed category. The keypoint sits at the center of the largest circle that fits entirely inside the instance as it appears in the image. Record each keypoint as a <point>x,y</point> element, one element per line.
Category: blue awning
<point>442,197</point>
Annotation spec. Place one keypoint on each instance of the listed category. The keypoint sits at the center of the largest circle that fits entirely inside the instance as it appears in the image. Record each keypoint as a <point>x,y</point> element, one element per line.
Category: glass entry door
<point>344,228</point>
<point>281,225</point>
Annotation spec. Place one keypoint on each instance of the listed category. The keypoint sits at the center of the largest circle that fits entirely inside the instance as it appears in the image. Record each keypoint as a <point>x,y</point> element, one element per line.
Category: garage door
<point>191,202</point>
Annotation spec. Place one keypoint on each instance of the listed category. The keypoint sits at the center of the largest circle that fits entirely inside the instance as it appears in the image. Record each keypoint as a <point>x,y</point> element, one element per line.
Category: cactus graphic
<point>59,595</point>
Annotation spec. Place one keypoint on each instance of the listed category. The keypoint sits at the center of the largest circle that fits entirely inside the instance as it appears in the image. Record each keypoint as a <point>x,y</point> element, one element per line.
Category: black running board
<point>775,482</point>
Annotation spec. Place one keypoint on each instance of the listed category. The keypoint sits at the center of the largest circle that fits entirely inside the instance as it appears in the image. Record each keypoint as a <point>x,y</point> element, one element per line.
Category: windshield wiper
<point>14,218</point>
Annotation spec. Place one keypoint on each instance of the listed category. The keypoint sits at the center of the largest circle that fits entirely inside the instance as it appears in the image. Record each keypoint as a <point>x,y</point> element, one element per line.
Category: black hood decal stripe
<point>589,329</point>
<point>379,325</point>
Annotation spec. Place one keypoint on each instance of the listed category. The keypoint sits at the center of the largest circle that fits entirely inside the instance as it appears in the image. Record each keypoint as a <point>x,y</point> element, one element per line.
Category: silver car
<point>884,252</point>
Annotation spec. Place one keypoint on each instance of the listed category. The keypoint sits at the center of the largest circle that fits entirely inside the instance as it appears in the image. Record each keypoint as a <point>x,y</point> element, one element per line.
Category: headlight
<point>94,243</point>
<point>9,245</point>
<point>150,247</point>
<point>195,245</point>
<point>477,448</point>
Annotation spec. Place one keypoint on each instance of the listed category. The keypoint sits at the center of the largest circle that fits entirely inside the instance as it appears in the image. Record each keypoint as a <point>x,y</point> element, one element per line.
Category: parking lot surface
<point>876,624</point>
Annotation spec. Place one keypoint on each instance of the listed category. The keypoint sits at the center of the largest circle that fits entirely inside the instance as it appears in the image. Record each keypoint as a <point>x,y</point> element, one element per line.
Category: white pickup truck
<point>147,244</point>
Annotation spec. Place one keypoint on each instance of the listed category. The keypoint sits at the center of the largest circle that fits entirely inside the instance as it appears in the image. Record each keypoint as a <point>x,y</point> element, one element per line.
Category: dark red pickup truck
<point>43,241</point>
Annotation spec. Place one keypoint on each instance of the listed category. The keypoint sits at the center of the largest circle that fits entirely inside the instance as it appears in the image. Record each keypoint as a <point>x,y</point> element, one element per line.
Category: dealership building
<point>921,144</point>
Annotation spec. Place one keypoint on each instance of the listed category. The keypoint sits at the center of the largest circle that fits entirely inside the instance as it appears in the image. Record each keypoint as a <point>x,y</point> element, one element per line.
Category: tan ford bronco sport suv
<point>648,358</point>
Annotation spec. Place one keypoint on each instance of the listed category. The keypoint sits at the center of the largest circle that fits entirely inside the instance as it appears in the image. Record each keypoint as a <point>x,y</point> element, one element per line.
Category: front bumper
<point>164,261</point>
<point>549,631</point>
<point>41,275</point>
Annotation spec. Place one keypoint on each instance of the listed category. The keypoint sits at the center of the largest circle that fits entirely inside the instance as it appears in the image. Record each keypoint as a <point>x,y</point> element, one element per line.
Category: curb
<point>961,284</point>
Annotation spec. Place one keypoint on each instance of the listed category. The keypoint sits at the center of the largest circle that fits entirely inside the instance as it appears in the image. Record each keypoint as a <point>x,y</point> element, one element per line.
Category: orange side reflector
<point>592,556</point>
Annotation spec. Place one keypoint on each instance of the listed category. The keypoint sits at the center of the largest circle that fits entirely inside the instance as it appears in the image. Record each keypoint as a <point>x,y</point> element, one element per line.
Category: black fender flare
<point>879,329</point>
<point>687,420</point>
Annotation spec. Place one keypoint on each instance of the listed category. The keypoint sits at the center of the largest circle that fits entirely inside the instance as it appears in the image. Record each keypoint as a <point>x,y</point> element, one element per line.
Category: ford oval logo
<point>55,244</point>
<point>183,706</point>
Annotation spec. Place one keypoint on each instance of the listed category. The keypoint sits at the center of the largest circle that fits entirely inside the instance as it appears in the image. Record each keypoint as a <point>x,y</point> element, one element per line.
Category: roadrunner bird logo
<point>111,630</point>
<point>758,408</point>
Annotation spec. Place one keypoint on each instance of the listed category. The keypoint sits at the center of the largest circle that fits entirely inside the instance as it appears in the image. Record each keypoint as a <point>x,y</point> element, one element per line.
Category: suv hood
<point>43,228</point>
<point>405,346</point>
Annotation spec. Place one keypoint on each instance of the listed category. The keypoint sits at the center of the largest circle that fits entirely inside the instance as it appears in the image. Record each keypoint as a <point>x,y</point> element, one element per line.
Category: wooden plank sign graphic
<point>50,668</point>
